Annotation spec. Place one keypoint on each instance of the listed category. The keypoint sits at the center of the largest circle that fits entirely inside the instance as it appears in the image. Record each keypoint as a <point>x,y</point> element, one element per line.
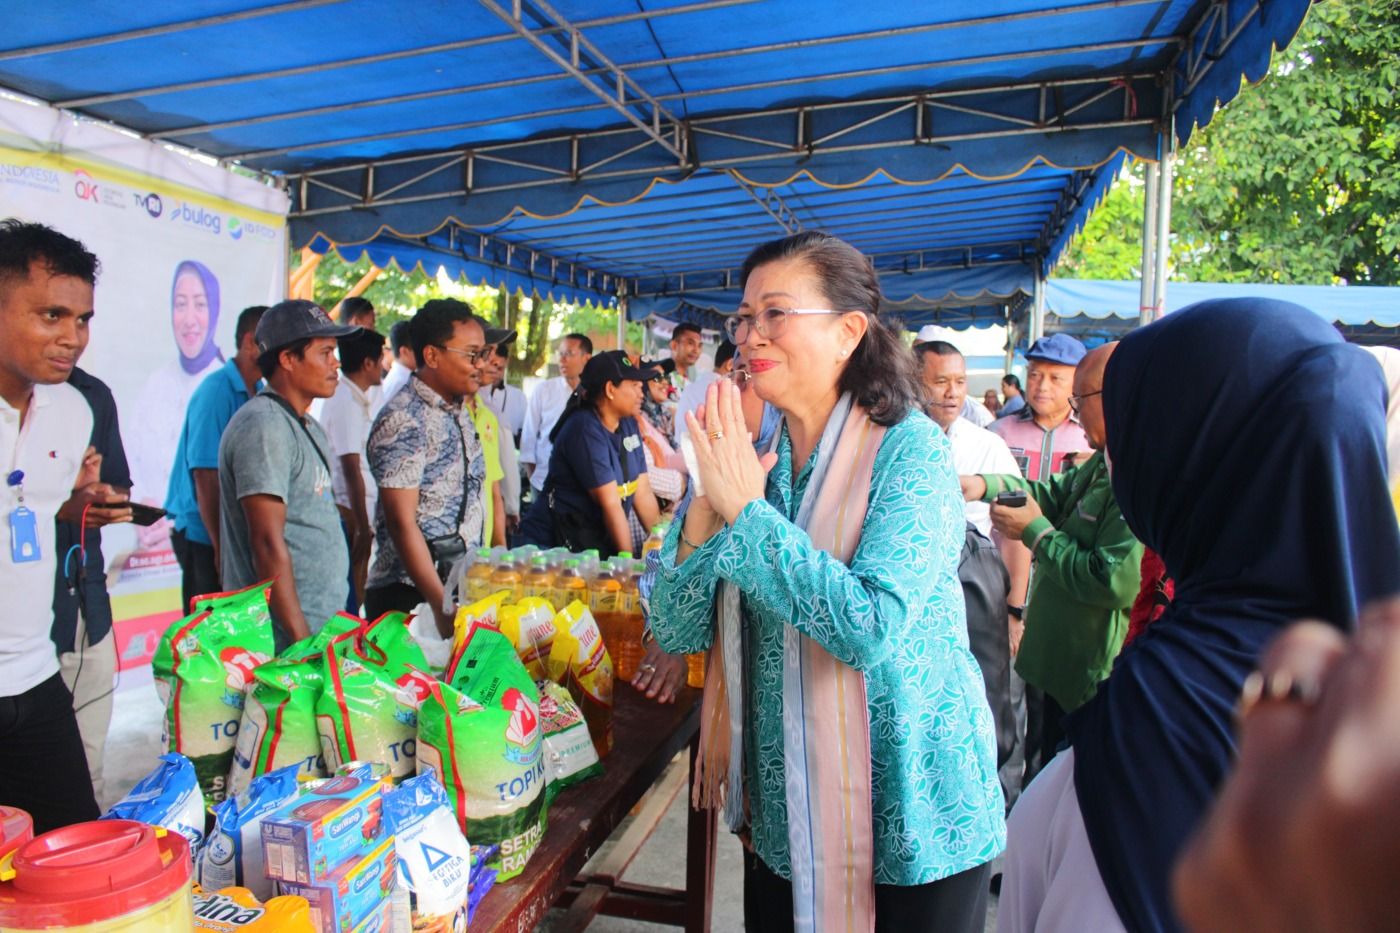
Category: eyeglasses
<point>570,354</point>
<point>1077,401</point>
<point>473,356</point>
<point>770,322</point>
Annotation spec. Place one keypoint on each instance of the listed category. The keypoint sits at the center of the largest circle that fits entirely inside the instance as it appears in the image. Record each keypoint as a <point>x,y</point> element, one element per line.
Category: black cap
<point>610,366</point>
<point>667,365</point>
<point>495,336</point>
<point>287,322</point>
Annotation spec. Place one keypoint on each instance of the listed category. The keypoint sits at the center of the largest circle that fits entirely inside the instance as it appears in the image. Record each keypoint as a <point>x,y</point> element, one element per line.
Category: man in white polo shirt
<point>46,302</point>
<point>943,370</point>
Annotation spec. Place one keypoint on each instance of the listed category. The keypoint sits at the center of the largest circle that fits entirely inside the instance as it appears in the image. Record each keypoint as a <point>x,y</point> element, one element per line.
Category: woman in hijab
<point>844,727</point>
<point>1261,483</point>
<point>194,320</point>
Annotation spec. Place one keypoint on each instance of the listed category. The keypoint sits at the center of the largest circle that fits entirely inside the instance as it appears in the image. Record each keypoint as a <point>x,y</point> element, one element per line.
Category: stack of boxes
<point>329,845</point>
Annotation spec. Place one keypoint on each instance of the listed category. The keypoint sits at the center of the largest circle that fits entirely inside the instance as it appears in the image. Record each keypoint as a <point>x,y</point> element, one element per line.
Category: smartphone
<point>1012,498</point>
<point>141,514</point>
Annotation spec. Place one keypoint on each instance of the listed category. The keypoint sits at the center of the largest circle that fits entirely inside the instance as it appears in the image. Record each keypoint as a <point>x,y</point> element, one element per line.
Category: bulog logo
<point>195,215</point>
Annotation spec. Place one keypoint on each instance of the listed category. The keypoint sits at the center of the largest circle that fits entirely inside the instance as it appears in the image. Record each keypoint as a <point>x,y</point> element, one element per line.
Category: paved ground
<point>134,744</point>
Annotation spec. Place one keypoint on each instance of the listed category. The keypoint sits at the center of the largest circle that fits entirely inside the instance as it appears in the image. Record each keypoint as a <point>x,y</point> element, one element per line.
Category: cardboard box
<point>355,893</point>
<point>335,822</point>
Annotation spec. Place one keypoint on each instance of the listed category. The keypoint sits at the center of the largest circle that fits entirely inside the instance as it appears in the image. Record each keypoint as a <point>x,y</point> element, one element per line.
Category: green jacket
<point>1087,572</point>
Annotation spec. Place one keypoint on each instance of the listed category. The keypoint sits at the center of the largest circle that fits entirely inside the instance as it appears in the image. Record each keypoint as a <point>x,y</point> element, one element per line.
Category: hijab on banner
<point>194,315</point>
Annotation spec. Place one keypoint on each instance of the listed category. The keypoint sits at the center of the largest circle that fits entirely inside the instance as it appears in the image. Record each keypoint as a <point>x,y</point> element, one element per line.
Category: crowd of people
<point>938,629</point>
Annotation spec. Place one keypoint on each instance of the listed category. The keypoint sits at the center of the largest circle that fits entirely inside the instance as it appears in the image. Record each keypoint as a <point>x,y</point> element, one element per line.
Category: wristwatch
<point>1017,612</point>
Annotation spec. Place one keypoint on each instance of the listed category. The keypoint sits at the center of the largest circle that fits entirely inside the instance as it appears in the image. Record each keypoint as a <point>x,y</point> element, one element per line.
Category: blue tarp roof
<point>1089,307</point>
<point>611,145</point>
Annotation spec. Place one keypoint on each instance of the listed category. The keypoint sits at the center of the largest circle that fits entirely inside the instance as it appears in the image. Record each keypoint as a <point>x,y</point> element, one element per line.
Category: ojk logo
<point>196,216</point>
<point>84,186</point>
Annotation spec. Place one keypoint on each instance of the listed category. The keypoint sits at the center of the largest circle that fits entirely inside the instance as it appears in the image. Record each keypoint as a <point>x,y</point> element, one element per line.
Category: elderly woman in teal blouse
<point>845,731</point>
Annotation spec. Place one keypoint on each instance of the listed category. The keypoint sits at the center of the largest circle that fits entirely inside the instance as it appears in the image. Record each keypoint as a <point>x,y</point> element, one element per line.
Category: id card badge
<point>24,536</point>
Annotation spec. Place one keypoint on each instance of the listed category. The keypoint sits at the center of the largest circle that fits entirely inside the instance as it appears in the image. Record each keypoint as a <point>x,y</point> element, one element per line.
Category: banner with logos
<point>184,245</point>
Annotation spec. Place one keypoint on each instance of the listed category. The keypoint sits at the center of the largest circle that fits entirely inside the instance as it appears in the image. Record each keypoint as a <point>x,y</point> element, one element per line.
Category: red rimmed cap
<point>90,872</point>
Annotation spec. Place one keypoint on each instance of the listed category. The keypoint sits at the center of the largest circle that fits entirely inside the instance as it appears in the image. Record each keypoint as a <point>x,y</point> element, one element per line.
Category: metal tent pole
<point>1162,237</point>
<point>1037,323</point>
<point>1149,251</point>
<point>622,322</point>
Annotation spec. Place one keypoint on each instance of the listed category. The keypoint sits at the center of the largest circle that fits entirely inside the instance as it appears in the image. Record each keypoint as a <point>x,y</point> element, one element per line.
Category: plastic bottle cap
<point>625,555</point>
<point>571,563</point>
<point>90,872</point>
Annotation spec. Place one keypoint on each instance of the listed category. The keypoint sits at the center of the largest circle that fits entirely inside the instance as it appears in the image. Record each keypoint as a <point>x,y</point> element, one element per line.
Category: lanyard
<point>297,418</point>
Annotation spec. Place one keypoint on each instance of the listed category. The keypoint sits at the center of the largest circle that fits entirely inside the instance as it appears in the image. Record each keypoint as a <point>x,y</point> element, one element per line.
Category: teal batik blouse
<point>896,614</point>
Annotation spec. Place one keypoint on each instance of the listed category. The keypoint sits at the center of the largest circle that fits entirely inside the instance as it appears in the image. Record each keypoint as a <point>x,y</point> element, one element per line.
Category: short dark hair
<point>584,343</point>
<point>882,374</point>
<point>247,322</point>
<point>270,361</point>
<point>939,347</point>
<point>502,350</point>
<point>432,326</point>
<point>352,308</point>
<point>22,244</point>
<point>1010,379</point>
<point>685,327</point>
<point>398,336</point>
<point>724,353</point>
<point>357,348</point>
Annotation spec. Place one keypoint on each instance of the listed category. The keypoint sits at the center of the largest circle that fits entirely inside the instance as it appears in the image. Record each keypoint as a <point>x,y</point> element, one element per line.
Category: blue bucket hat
<point>1057,348</point>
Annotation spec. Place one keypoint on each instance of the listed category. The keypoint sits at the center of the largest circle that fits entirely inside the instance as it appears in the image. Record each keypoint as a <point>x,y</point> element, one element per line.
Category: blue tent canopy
<point>639,147</point>
<point>1083,307</point>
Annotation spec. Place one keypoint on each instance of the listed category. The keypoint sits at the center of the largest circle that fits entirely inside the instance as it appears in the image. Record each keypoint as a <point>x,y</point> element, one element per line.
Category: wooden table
<point>647,736</point>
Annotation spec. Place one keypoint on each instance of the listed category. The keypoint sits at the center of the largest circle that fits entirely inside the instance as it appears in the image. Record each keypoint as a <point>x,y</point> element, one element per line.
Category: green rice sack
<point>482,738</point>
<point>339,627</point>
<point>202,666</point>
<point>368,706</point>
<point>279,723</point>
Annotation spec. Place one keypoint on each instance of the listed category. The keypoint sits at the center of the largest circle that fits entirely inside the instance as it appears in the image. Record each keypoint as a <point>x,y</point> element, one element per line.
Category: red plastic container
<point>104,876</point>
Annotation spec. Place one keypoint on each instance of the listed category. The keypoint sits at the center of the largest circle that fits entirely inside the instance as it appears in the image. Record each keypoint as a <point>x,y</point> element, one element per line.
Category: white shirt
<point>346,418</point>
<point>545,407</point>
<point>692,397</point>
<point>509,404</point>
<point>394,380</point>
<point>977,450</point>
<point>49,450</point>
<point>976,412</point>
<point>160,412</point>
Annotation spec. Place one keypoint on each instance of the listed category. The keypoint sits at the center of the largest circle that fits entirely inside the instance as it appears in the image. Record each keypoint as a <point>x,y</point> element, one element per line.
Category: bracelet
<point>689,543</point>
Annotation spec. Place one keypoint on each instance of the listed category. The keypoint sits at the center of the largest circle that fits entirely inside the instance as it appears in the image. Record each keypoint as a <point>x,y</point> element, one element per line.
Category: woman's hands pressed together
<point>732,474</point>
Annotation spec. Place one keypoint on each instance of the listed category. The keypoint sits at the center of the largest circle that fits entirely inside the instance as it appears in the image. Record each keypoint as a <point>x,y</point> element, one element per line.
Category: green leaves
<point>1296,181</point>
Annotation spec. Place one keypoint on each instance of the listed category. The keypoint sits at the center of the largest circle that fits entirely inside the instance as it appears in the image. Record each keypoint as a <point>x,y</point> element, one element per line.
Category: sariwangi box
<point>335,821</point>
<point>352,894</point>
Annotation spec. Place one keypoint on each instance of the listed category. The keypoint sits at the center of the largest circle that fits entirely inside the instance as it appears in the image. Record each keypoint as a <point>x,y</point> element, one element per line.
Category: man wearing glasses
<point>429,465</point>
<point>547,404</point>
<point>1087,572</point>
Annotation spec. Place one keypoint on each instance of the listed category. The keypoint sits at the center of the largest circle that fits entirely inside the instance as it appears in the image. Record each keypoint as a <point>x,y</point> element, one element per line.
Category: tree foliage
<point>538,321</point>
<point>1295,181</point>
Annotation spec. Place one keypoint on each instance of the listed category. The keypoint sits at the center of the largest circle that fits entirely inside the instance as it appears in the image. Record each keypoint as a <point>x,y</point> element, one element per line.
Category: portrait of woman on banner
<point>194,319</point>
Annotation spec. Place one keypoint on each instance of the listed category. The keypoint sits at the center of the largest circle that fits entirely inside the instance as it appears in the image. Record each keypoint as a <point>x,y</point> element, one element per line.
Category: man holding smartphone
<point>1087,571</point>
<point>46,305</point>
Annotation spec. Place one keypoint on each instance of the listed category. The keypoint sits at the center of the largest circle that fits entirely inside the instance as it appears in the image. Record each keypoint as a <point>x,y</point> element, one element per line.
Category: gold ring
<point>716,435</point>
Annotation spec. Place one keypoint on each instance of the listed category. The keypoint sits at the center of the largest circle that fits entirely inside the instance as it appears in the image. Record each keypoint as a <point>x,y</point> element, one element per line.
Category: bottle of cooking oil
<point>478,576</point>
<point>539,580</point>
<point>569,585</point>
<point>506,577</point>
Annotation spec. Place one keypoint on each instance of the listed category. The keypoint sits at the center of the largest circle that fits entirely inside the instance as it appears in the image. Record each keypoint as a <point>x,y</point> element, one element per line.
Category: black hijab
<point>1247,444</point>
